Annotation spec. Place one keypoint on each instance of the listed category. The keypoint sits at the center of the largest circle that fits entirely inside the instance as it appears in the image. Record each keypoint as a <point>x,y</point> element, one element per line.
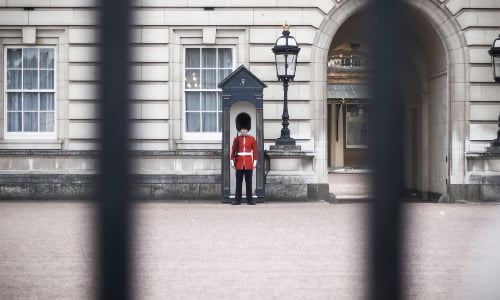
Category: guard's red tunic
<point>244,152</point>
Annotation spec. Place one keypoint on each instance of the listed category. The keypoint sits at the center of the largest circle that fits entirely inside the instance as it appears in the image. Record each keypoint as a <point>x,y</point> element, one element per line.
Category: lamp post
<point>285,51</point>
<point>495,58</point>
<point>495,61</point>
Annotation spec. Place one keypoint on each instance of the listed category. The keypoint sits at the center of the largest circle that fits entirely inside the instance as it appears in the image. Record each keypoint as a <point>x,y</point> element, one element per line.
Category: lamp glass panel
<point>496,66</point>
<point>280,65</point>
<point>292,62</point>
<point>281,41</point>
<point>292,42</point>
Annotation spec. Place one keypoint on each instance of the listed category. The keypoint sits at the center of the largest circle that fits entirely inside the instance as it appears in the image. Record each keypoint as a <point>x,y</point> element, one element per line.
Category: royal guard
<point>244,155</point>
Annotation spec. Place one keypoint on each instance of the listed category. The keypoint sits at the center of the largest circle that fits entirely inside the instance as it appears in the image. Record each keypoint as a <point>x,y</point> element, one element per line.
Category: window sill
<point>193,144</point>
<point>31,144</point>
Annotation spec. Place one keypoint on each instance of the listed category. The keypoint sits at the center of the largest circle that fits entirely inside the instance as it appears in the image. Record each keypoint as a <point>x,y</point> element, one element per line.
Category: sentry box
<point>242,97</point>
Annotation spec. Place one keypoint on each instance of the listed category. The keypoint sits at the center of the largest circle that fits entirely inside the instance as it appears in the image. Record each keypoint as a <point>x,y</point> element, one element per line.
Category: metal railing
<point>114,196</point>
<point>353,62</point>
<point>386,147</point>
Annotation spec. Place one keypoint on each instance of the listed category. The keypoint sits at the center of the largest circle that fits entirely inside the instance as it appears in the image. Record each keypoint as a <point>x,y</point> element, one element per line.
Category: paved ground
<point>350,185</point>
<point>268,251</point>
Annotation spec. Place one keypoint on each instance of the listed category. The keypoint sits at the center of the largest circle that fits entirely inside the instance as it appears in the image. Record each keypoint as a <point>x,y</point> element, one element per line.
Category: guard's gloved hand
<point>254,163</point>
<point>232,163</point>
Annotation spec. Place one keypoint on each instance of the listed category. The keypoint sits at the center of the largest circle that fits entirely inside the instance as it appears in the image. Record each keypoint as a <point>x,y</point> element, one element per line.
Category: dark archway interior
<point>426,100</point>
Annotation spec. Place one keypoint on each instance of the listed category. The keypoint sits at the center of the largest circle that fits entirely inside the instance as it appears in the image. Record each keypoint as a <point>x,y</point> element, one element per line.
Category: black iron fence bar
<point>386,147</point>
<point>113,184</point>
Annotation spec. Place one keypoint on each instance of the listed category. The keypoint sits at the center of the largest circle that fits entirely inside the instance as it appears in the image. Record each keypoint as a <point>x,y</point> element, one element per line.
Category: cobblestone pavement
<point>268,251</point>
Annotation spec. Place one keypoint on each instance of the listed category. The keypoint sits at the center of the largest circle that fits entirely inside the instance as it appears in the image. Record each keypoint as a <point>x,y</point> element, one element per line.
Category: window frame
<point>28,135</point>
<point>202,136</point>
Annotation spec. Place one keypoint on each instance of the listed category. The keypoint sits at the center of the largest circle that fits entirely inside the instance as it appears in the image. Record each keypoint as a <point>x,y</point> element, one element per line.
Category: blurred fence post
<point>386,150</point>
<point>386,147</point>
<point>113,184</point>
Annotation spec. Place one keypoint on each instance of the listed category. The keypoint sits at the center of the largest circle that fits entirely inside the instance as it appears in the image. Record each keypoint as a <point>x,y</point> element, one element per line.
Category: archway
<point>435,57</point>
<point>427,111</point>
<point>347,95</point>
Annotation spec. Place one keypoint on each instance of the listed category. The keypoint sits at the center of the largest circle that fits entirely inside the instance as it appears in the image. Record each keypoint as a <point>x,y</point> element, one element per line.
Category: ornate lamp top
<point>286,27</point>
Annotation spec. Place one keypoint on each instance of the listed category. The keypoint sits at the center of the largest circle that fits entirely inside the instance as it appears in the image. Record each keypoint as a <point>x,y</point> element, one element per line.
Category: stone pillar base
<point>290,175</point>
<point>481,187</point>
<point>285,148</point>
<point>483,180</point>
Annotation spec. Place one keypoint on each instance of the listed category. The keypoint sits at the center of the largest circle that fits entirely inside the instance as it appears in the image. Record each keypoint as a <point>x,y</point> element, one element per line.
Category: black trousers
<point>239,182</point>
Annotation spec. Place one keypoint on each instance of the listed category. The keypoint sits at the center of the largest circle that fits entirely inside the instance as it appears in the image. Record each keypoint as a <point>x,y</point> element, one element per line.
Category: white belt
<point>244,153</point>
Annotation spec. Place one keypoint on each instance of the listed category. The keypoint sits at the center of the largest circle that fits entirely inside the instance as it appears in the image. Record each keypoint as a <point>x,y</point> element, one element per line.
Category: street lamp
<point>495,58</point>
<point>285,51</point>
<point>495,61</point>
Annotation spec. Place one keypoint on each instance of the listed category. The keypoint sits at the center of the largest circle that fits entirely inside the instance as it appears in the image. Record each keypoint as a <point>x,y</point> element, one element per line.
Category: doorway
<point>348,133</point>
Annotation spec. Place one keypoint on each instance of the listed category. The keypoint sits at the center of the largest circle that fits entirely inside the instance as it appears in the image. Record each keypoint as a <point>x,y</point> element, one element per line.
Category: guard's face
<point>243,131</point>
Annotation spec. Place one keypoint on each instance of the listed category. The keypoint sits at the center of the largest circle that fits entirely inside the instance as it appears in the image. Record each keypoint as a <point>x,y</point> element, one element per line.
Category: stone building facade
<point>181,49</point>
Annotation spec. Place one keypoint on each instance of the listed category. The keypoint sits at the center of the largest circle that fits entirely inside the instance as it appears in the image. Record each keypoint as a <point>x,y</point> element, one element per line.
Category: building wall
<point>161,30</point>
<point>480,27</point>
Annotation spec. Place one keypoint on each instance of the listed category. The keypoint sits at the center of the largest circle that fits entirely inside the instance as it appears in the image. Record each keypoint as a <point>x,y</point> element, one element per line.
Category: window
<point>30,92</point>
<point>204,69</point>
<point>356,126</point>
